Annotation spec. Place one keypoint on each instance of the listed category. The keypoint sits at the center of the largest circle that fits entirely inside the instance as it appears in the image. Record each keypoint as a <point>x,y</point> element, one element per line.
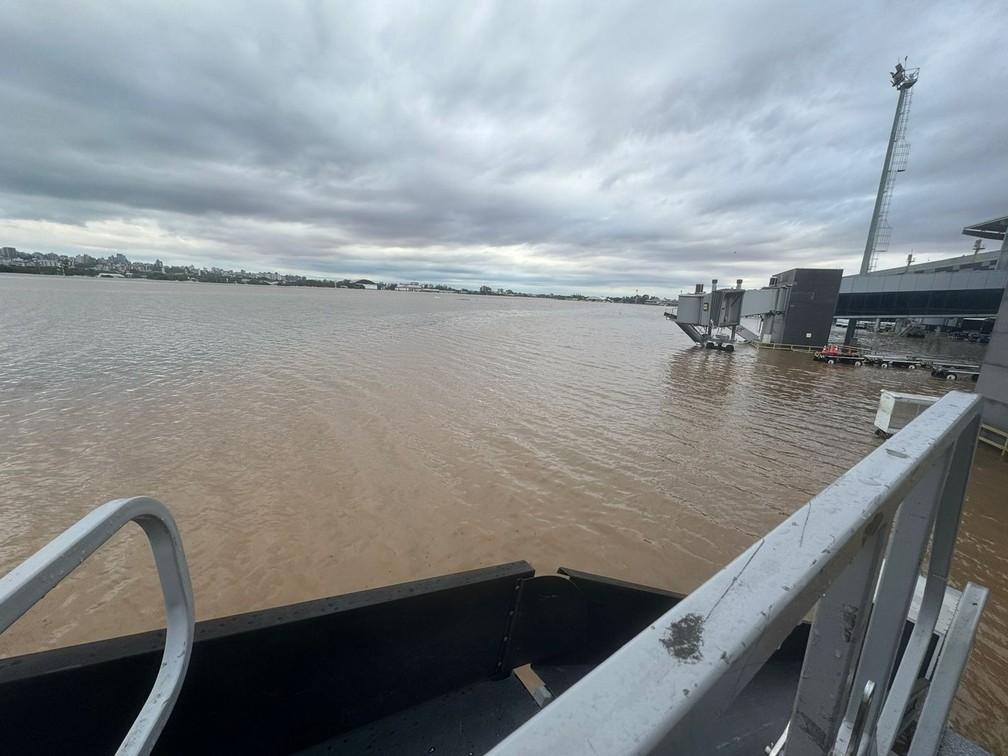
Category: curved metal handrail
<point>27,583</point>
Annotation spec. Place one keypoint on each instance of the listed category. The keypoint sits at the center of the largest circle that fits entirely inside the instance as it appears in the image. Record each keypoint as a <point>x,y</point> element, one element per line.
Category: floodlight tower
<point>879,231</point>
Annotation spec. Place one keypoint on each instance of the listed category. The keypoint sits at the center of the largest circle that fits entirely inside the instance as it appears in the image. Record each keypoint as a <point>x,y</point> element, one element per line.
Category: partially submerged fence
<point>994,437</point>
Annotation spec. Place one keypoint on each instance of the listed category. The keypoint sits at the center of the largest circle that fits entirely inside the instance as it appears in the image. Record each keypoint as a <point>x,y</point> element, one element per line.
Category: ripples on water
<point>313,442</point>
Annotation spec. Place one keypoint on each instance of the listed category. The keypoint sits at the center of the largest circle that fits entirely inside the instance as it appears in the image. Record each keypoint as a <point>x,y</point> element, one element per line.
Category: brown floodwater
<point>312,442</point>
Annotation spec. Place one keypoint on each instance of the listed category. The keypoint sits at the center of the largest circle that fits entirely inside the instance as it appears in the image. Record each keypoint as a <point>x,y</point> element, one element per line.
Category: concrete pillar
<point>993,381</point>
<point>1002,263</point>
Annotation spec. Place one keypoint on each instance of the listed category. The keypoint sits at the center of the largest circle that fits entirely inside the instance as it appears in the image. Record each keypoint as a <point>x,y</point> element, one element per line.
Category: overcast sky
<point>588,147</point>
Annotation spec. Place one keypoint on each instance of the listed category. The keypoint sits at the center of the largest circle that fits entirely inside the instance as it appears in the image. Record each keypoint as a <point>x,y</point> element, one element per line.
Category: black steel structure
<point>934,303</point>
<point>422,667</point>
<point>811,303</point>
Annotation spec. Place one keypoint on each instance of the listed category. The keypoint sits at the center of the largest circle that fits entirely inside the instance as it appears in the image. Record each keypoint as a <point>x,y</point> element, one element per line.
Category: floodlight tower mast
<point>897,152</point>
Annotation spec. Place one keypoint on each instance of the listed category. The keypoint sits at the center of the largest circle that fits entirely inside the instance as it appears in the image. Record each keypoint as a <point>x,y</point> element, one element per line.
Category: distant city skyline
<point>568,147</point>
<point>274,275</point>
<point>116,261</point>
<point>15,260</point>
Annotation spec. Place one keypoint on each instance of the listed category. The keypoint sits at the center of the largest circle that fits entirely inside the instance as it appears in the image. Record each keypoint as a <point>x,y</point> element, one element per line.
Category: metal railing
<point>665,687</point>
<point>27,583</point>
<point>787,347</point>
<point>994,437</point>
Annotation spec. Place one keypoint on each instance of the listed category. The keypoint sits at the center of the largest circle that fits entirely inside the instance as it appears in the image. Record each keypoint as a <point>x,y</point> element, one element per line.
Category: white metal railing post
<point>913,525</point>
<point>834,644</point>
<point>27,583</point>
<point>951,663</point>
<point>946,528</point>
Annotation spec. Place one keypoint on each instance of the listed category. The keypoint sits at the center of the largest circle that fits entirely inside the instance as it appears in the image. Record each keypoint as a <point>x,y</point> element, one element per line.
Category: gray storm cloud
<point>571,147</point>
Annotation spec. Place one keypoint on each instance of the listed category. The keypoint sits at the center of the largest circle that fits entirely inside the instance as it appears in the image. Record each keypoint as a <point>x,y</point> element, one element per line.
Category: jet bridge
<point>796,308</point>
<point>713,319</point>
<point>704,316</point>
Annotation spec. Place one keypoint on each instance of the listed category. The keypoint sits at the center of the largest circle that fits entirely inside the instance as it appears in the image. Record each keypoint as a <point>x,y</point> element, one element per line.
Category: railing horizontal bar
<point>990,430</point>
<point>688,666</point>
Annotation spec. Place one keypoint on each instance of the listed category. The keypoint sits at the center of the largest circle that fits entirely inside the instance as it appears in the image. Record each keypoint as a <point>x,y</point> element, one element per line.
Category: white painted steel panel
<point>760,301</point>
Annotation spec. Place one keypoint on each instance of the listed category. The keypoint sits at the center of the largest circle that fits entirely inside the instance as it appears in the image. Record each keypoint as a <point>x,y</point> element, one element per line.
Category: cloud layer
<point>565,147</point>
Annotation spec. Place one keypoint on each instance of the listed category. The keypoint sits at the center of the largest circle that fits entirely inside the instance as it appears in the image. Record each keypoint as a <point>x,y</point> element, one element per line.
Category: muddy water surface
<point>313,442</point>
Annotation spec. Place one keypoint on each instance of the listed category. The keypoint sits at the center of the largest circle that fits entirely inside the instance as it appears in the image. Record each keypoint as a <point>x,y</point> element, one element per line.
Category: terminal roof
<point>992,229</point>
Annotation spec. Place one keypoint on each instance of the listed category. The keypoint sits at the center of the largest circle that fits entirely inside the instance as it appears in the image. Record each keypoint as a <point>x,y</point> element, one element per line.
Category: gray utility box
<point>895,410</point>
